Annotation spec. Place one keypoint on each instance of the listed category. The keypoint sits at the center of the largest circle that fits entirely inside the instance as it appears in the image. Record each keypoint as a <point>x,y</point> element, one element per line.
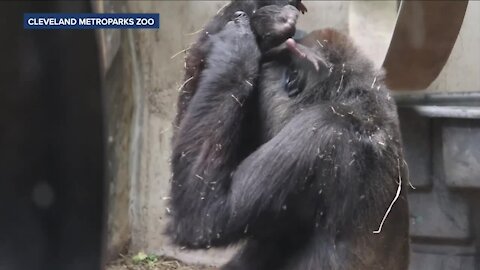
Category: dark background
<point>51,144</point>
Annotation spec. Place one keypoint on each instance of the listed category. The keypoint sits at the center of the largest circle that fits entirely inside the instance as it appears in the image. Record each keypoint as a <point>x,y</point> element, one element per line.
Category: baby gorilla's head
<point>271,24</point>
<point>274,24</point>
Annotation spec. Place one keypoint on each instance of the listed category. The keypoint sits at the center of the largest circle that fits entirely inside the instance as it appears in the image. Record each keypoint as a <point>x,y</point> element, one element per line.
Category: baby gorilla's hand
<point>307,54</point>
<point>273,25</point>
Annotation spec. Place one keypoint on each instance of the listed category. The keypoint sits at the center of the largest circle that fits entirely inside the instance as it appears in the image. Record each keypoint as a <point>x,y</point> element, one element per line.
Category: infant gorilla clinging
<point>293,147</point>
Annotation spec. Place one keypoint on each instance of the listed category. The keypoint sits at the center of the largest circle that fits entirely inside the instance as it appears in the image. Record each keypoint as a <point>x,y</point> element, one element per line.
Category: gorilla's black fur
<point>294,148</point>
<point>195,62</point>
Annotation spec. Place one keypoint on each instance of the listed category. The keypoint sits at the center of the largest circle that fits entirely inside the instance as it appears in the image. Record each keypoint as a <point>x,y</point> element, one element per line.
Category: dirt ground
<point>142,261</point>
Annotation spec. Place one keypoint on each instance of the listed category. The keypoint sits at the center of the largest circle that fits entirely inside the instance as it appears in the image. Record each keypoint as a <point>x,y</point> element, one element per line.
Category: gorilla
<point>291,146</point>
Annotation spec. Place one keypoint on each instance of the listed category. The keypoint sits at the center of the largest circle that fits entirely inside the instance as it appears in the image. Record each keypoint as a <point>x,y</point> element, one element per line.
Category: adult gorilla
<point>294,147</point>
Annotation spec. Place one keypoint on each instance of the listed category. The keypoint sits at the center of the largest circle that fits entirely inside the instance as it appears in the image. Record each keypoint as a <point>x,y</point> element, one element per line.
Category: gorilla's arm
<point>322,152</point>
<point>318,152</point>
<point>207,147</point>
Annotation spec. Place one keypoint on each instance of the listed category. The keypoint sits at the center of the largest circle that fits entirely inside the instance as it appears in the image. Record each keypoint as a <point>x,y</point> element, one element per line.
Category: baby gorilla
<point>309,190</point>
<point>273,23</point>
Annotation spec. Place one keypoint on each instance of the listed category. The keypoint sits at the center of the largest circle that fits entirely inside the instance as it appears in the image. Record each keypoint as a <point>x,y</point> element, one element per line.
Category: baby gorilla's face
<point>273,25</point>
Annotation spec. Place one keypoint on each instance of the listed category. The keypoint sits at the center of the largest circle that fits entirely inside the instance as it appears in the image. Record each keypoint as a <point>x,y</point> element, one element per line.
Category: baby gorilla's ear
<point>273,25</point>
